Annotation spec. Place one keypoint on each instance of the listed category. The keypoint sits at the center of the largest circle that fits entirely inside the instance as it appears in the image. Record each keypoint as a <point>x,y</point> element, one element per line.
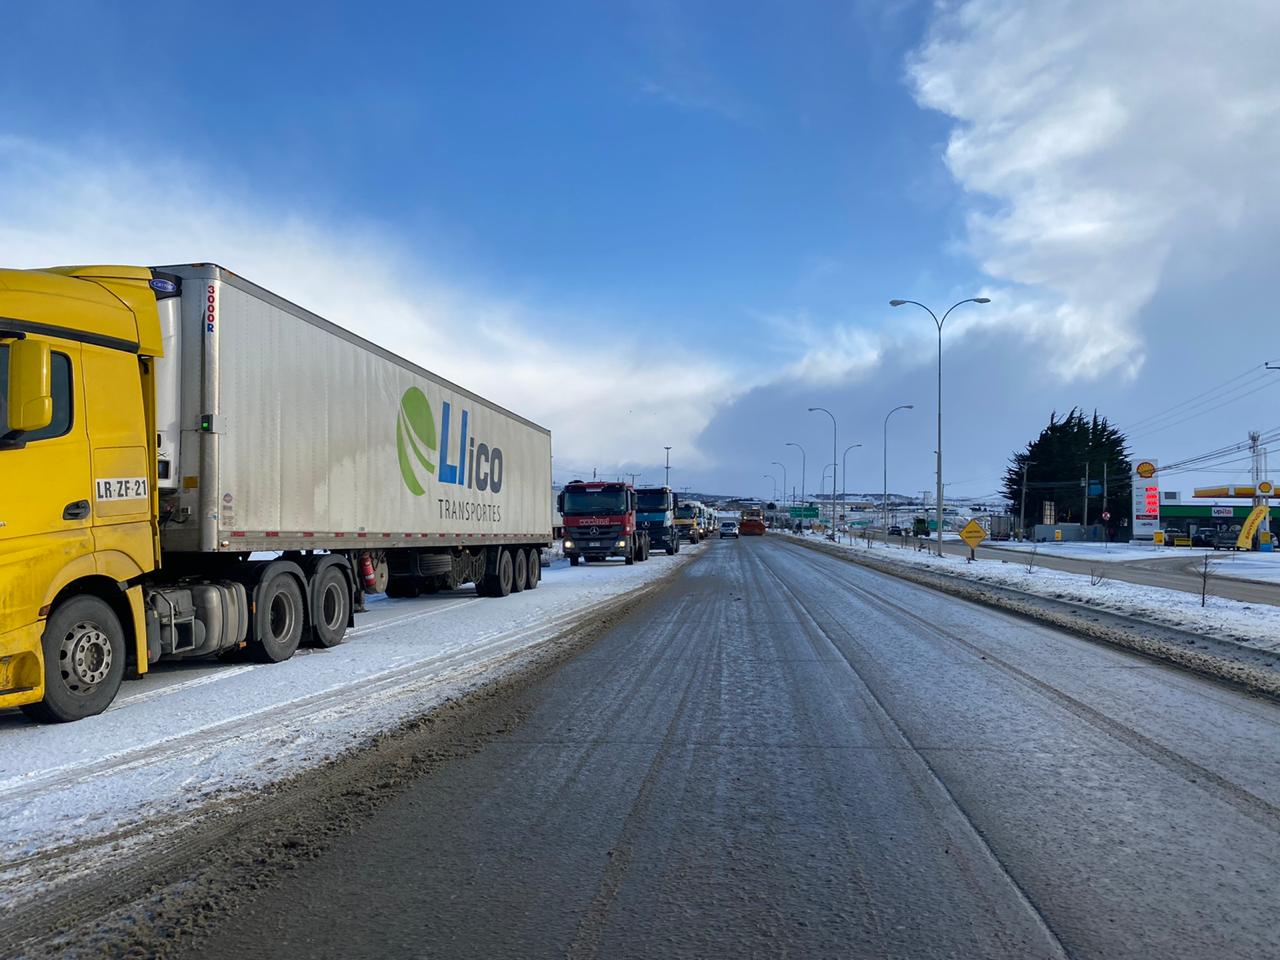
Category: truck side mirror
<point>675,501</point>
<point>560,501</point>
<point>30,396</point>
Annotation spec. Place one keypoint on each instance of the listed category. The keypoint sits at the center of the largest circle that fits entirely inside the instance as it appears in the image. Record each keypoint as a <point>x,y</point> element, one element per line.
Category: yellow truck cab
<point>77,483</point>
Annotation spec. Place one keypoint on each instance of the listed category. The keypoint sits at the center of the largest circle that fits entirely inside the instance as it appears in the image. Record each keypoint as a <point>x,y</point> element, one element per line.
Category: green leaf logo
<point>415,435</point>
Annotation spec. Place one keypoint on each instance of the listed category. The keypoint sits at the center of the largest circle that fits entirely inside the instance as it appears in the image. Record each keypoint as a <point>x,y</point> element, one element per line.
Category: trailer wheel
<point>573,561</point>
<point>535,569</point>
<point>506,573</point>
<point>520,571</point>
<point>277,620</point>
<point>330,607</point>
<point>84,657</point>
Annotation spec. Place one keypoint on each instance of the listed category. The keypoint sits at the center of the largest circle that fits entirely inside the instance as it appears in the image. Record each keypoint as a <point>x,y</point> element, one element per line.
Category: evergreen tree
<point>1056,463</point>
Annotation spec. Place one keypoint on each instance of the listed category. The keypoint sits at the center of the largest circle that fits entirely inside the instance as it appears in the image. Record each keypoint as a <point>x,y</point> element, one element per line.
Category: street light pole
<point>884,502</point>
<point>668,480</point>
<point>770,476</point>
<point>779,463</point>
<point>844,468</point>
<point>939,323</point>
<point>835,445</point>
<point>802,465</point>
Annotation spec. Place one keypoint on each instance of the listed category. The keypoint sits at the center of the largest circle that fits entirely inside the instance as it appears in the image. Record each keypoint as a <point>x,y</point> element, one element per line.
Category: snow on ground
<point>1099,552</point>
<point>1224,563</point>
<point>1257,626</point>
<point>1247,566</point>
<point>190,731</point>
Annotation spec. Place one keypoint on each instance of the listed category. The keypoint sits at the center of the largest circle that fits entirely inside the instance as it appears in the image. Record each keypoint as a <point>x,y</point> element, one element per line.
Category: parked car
<point>1226,540</point>
<point>895,531</point>
<point>1205,537</point>
<point>728,529</point>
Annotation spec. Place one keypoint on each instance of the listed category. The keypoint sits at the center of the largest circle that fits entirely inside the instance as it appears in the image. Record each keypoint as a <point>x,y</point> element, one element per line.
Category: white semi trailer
<point>190,421</point>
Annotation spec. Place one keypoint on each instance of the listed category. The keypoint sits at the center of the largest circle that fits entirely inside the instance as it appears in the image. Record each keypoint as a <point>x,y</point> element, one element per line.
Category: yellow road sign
<point>973,534</point>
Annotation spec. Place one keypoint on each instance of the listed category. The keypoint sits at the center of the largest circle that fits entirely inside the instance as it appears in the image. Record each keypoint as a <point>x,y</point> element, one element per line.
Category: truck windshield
<point>685,513</point>
<point>654,501</point>
<point>587,502</point>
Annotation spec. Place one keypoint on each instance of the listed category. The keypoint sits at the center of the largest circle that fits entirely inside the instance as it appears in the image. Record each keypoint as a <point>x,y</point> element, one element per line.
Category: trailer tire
<point>505,574</point>
<point>520,570</point>
<point>330,607</point>
<point>277,620</point>
<point>535,569</point>
<point>84,660</point>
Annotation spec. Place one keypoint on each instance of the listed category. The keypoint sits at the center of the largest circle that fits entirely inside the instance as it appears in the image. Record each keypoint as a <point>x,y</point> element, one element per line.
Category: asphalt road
<point>1173,572</point>
<point>786,755</point>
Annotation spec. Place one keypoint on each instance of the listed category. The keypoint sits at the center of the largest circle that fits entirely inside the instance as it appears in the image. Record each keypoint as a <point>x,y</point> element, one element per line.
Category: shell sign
<point>1146,500</point>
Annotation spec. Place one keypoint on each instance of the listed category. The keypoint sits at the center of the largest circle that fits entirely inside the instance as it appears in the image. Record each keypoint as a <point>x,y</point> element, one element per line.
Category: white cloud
<point>578,375</point>
<point>1100,140</point>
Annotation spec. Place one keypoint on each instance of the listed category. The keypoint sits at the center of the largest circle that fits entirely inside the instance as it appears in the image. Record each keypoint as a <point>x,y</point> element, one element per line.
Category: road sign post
<point>973,534</point>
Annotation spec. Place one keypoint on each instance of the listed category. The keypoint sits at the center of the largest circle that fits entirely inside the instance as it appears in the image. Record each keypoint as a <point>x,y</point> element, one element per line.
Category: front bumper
<point>21,670</point>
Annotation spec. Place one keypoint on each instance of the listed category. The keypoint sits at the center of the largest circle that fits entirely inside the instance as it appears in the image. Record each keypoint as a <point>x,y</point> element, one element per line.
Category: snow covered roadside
<point>1254,626</point>
<point>1100,552</point>
<point>195,732</point>
<point>1264,567</point>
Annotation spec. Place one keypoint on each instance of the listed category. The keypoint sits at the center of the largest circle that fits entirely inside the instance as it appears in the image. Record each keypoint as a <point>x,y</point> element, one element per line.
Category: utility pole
<point>1085,521</point>
<point>667,483</point>
<point>1022,510</point>
<point>633,478</point>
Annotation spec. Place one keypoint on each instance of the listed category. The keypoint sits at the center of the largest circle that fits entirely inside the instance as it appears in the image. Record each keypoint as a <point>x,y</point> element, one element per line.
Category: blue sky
<point>709,204</point>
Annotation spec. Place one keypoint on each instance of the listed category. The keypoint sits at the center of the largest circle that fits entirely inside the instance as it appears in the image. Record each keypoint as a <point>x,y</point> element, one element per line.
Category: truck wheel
<point>573,561</point>
<point>277,620</point>
<point>535,569</point>
<point>84,657</point>
<point>671,548</point>
<point>506,573</point>
<point>330,607</point>
<point>632,550</point>
<point>520,570</point>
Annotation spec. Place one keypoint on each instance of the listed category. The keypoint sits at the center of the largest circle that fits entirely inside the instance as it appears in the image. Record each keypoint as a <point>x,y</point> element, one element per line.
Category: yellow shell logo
<point>1146,469</point>
<point>1265,486</point>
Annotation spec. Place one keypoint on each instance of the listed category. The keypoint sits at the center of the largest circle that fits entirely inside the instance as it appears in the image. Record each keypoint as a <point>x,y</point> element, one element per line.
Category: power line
<point>1183,418</point>
<point>1228,385</point>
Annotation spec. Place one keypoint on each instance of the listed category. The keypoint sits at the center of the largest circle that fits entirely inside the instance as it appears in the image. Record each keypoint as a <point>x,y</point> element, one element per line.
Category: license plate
<point>594,543</point>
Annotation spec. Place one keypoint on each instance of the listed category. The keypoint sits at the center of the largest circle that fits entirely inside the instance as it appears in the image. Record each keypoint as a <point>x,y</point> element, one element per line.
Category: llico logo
<point>479,465</point>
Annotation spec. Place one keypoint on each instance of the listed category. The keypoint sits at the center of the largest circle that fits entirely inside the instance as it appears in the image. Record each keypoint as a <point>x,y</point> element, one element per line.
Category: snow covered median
<point>192,732</point>
<point>1254,625</point>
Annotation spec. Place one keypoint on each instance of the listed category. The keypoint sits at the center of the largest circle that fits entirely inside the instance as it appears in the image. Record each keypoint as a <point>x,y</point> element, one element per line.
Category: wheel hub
<point>86,655</point>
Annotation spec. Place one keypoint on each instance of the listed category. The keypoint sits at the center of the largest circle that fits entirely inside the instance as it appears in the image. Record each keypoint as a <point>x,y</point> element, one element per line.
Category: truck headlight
<point>568,544</point>
<point>622,543</point>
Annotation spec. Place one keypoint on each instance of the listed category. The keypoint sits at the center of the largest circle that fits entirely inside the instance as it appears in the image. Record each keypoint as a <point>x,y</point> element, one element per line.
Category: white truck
<point>190,421</point>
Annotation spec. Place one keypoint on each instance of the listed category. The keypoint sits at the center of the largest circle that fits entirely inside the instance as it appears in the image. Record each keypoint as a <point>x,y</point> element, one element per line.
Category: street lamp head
<point>896,303</point>
<point>908,406</point>
<point>981,299</point>
<point>812,409</point>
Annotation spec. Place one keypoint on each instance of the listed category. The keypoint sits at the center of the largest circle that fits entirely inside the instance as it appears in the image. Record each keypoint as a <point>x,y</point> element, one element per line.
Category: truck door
<point>45,494</point>
<point>119,457</point>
